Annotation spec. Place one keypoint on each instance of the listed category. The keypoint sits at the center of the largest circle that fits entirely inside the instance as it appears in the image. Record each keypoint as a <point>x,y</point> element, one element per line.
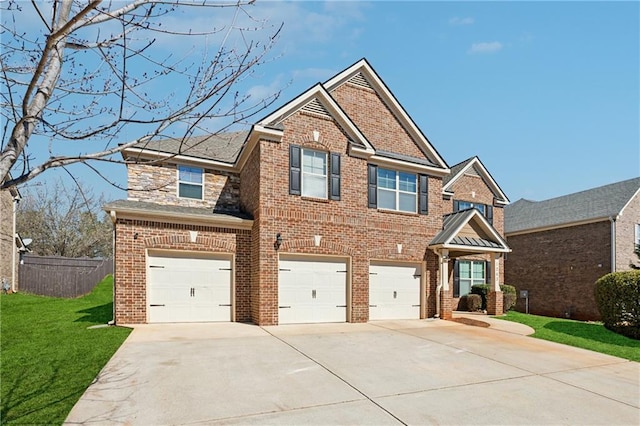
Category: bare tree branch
<point>95,71</point>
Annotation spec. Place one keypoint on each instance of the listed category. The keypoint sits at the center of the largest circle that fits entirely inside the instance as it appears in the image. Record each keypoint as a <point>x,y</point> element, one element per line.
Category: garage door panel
<point>394,291</point>
<point>311,290</point>
<point>189,289</point>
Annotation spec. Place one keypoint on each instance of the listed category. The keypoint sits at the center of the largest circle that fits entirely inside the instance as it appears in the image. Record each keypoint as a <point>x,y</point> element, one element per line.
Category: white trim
<point>378,85</point>
<point>256,134</point>
<point>558,226</point>
<point>328,102</point>
<point>397,191</point>
<point>486,226</point>
<point>182,218</point>
<point>501,197</point>
<point>178,181</point>
<point>406,166</point>
<point>178,159</point>
<point>629,202</point>
<point>325,176</point>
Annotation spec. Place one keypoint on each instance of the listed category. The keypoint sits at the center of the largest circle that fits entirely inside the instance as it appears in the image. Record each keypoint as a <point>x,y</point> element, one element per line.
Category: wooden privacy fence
<point>61,276</point>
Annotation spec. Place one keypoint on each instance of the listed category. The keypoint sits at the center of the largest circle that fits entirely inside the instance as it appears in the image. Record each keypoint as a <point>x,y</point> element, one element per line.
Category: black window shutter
<point>489,213</point>
<point>487,272</point>
<point>456,278</point>
<point>423,201</point>
<point>334,186</point>
<point>456,206</point>
<point>294,170</point>
<point>373,186</point>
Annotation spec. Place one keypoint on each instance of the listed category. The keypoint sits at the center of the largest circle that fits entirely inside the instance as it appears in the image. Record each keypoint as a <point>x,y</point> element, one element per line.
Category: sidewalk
<point>496,324</point>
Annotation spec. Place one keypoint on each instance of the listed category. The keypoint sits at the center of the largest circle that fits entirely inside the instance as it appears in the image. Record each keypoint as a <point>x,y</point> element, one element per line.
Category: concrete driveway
<point>399,372</point>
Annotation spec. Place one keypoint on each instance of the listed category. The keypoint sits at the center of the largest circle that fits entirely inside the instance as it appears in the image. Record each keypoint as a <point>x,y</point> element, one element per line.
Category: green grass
<point>48,356</point>
<point>586,335</point>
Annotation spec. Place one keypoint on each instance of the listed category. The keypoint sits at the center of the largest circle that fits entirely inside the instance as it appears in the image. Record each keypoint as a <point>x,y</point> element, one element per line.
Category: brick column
<point>495,303</point>
<point>445,305</point>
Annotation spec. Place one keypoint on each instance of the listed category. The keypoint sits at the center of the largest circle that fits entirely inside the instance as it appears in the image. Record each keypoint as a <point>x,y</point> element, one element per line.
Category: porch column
<point>446,311</point>
<point>495,297</point>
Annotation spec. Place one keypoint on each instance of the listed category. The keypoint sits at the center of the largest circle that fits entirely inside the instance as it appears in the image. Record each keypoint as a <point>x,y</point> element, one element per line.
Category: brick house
<point>9,255</point>
<point>333,208</point>
<point>563,245</point>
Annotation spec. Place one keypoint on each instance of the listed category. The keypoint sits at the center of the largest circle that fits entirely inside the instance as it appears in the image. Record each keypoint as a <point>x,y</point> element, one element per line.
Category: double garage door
<point>189,287</point>
<point>314,290</point>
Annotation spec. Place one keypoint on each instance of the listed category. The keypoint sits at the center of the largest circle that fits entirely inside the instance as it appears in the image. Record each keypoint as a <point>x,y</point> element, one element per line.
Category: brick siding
<point>559,268</point>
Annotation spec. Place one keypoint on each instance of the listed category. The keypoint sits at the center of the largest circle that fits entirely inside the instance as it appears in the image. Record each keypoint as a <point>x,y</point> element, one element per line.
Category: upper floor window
<point>190,182</point>
<point>397,190</point>
<point>485,209</point>
<point>314,173</point>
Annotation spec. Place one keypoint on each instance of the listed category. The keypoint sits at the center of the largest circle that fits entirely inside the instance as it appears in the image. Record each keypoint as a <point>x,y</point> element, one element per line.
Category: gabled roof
<point>592,205</point>
<point>318,98</point>
<point>479,235</point>
<point>475,166</point>
<point>362,70</point>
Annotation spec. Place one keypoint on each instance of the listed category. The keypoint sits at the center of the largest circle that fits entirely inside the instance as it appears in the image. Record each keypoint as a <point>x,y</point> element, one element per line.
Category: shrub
<point>509,301</point>
<point>474,302</point>
<point>618,299</point>
<point>483,289</point>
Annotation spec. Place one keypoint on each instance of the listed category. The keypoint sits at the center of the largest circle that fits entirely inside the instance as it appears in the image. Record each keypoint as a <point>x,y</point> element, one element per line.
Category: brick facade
<point>348,228</point>
<point>559,268</point>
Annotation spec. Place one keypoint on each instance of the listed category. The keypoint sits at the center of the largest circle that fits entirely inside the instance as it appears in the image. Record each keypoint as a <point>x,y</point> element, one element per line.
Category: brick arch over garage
<point>184,242</point>
<point>308,245</point>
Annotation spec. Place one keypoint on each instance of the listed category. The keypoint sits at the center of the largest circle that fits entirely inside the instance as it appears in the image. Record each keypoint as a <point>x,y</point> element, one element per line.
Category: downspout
<point>16,199</point>
<point>113,267</point>
<point>613,242</point>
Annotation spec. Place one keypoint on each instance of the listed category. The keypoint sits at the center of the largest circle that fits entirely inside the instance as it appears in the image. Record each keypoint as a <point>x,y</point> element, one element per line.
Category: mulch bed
<point>469,321</point>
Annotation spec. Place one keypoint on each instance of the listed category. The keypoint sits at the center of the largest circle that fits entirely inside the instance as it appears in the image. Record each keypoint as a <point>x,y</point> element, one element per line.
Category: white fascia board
<point>406,166</point>
<point>636,194</point>
<point>183,218</point>
<point>359,152</point>
<point>558,226</point>
<point>473,249</point>
<point>484,224</point>
<point>485,175</point>
<point>257,133</point>
<point>334,109</point>
<point>381,88</point>
<point>182,159</point>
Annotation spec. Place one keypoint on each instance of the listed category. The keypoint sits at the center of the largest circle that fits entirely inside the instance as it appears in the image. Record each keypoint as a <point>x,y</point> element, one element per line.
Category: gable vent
<point>360,80</point>
<point>316,107</point>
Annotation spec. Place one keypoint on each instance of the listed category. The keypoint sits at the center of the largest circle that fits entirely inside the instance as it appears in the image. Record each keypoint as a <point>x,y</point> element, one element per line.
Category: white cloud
<point>485,47</point>
<point>461,21</point>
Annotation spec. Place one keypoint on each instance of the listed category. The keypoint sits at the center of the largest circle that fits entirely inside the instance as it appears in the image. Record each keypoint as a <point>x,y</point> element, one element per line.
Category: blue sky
<point>547,94</point>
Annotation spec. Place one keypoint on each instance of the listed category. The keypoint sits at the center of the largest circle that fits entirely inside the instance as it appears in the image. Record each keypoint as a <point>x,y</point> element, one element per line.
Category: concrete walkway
<point>389,372</point>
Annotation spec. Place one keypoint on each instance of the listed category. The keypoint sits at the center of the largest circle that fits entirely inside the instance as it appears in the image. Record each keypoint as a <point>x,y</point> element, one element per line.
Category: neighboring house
<point>333,208</point>
<point>9,255</point>
<point>563,245</point>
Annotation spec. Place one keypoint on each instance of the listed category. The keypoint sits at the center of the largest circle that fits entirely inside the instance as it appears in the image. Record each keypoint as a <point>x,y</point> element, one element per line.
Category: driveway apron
<point>393,372</point>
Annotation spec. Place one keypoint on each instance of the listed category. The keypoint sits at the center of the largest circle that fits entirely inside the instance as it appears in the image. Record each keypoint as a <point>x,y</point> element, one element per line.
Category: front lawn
<point>48,355</point>
<point>587,335</point>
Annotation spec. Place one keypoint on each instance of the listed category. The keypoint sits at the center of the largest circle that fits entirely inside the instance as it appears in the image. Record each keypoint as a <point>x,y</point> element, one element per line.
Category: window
<point>467,274</point>
<point>486,210</point>
<point>397,190</point>
<point>314,173</point>
<point>311,174</point>
<point>190,182</point>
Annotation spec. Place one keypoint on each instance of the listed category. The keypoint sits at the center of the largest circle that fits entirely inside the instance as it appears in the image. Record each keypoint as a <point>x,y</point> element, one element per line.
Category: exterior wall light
<point>278,241</point>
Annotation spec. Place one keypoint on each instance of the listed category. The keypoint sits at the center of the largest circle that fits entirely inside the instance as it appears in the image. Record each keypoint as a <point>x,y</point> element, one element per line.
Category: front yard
<point>49,356</point>
<point>587,335</point>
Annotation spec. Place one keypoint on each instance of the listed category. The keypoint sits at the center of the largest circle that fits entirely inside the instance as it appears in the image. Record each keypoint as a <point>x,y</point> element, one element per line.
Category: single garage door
<point>188,287</point>
<point>311,290</point>
<point>394,291</point>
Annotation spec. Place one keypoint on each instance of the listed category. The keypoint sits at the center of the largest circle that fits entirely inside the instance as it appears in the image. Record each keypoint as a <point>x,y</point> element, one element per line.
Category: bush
<point>483,289</point>
<point>509,301</point>
<point>618,299</point>
<point>474,302</point>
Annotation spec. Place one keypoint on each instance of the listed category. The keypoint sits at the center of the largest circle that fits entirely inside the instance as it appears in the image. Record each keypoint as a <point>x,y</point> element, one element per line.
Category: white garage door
<point>394,291</point>
<point>189,287</point>
<point>312,289</point>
